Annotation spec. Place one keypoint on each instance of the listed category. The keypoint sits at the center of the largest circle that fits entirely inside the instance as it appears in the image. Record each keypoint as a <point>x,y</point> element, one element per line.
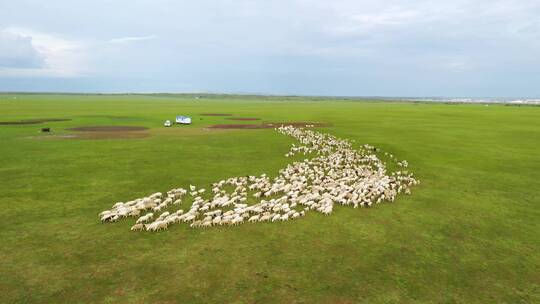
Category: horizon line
<point>390,97</point>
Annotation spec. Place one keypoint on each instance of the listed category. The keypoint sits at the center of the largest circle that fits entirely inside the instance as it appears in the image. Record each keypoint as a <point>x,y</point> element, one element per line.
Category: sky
<point>476,48</point>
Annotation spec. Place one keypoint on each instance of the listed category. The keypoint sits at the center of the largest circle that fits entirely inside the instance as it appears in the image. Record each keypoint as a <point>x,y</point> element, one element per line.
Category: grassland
<point>470,233</point>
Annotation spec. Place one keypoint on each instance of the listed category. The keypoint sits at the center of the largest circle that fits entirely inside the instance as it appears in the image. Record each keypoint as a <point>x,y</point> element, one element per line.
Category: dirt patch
<point>112,135</point>
<point>244,118</point>
<point>33,121</point>
<point>97,135</point>
<point>268,125</point>
<point>108,129</point>
<point>103,132</point>
<point>237,126</point>
<point>115,117</point>
<point>215,114</point>
<point>62,136</point>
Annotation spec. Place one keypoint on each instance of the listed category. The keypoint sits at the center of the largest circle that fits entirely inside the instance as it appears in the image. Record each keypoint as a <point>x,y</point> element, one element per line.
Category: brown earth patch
<point>60,136</point>
<point>243,118</point>
<point>108,129</point>
<point>97,135</point>
<point>113,135</point>
<point>236,126</point>
<point>215,114</point>
<point>103,132</point>
<point>268,125</point>
<point>33,121</point>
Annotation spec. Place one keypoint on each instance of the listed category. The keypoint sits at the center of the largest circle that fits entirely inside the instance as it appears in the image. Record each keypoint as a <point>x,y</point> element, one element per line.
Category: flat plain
<point>469,233</point>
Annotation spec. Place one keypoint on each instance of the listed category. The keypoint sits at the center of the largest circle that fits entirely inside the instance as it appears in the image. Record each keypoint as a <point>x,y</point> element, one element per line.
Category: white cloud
<point>363,23</point>
<point>17,51</point>
<point>311,44</point>
<point>131,39</point>
<point>61,57</point>
<point>55,56</point>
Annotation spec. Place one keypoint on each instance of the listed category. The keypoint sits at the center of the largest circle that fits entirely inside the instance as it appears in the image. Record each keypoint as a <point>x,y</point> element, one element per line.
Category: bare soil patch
<point>215,114</point>
<point>236,126</point>
<point>112,135</point>
<point>108,129</point>
<point>59,136</point>
<point>243,118</point>
<point>32,121</point>
<point>268,125</point>
<point>104,132</point>
<point>97,135</point>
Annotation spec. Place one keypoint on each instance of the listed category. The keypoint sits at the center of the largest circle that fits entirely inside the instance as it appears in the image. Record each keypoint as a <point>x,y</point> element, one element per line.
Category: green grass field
<point>469,233</point>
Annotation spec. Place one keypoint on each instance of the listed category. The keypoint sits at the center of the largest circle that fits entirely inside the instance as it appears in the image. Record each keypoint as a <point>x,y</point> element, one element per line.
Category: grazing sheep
<point>156,195</point>
<point>217,220</point>
<point>163,215</point>
<point>254,218</point>
<point>335,173</point>
<point>189,218</point>
<point>137,227</point>
<point>151,226</point>
<point>162,225</point>
<point>108,217</point>
<point>237,220</point>
<point>101,214</point>
<point>145,218</point>
<point>265,218</point>
<point>134,213</point>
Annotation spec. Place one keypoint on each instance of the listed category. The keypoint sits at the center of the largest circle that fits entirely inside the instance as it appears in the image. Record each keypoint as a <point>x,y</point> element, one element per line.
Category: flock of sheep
<point>336,174</point>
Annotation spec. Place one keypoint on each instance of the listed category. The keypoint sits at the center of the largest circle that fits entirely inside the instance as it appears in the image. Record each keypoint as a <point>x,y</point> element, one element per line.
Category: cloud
<point>365,23</point>
<point>346,47</point>
<point>26,52</point>
<point>58,57</point>
<point>17,51</point>
<point>131,39</point>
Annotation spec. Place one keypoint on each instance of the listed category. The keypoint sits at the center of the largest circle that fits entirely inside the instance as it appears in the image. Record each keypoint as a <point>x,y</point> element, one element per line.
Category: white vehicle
<point>183,120</point>
<point>167,123</point>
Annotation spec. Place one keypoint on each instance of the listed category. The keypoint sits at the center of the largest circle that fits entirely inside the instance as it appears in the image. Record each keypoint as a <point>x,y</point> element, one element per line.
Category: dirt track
<point>108,129</point>
<point>97,135</point>
<point>33,121</point>
<point>105,132</point>
<point>237,126</point>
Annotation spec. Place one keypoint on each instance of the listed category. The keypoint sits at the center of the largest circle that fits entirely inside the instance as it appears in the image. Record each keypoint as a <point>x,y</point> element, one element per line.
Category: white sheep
<point>335,173</point>
<point>254,218</point>
<point>137,227</point>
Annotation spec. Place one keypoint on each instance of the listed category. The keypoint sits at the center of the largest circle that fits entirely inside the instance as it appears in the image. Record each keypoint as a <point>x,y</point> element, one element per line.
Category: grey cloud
<point>345,47</point>
<point>18,52</point>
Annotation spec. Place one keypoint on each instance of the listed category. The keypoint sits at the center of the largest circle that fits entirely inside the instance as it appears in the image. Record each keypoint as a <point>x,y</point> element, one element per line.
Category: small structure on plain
<point>183,120</point>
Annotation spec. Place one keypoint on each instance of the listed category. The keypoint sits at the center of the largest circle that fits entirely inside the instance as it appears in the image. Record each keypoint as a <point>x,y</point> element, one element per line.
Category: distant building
<point>183,120</point>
